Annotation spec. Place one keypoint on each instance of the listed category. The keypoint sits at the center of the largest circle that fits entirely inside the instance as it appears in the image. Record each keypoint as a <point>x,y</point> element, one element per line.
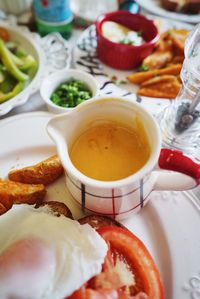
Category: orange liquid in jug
<point>110,151</point>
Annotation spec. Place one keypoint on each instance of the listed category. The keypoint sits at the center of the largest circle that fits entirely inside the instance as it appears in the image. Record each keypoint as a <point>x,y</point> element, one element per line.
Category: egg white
<point>75,252</point>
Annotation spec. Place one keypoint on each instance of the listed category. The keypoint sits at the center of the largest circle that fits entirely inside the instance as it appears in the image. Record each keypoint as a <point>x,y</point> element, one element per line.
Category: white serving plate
<point>154,7</point>
<point>85,58</point>
<point>52,53</point>
<point>169,225</point>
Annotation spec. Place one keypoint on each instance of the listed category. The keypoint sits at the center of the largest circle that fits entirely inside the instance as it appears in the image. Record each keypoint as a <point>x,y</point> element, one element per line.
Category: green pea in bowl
<point>66,89</point>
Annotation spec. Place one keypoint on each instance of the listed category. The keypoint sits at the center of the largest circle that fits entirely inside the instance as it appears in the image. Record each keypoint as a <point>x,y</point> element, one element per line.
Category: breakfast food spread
<point>115,151</point>
<point>44,253</point>
<point>160,70</point>
<point>118,33</point>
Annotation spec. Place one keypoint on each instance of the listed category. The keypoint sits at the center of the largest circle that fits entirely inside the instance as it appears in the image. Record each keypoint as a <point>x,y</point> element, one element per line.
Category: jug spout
<point>59,130</point>
<point>58,126</point>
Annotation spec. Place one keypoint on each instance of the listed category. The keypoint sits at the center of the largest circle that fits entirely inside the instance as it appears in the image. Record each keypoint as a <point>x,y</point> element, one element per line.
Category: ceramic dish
<point>122,56</point>
<point>51,82</point>
<point>153,6</point>
<point>51,52</point>
<point>111,80</point>
<point>169,225</point>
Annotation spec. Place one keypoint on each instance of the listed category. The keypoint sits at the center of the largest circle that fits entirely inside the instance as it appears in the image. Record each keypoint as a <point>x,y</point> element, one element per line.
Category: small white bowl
<point>51,82</point>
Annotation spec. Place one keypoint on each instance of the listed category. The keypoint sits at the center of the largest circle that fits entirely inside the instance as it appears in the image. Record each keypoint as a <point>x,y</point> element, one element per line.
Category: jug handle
<point>186,171</point>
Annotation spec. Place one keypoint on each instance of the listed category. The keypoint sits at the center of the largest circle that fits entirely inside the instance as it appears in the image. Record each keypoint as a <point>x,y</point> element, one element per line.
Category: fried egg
<point>121,34</point>
<point>43,256</point>
<point>114,31</point>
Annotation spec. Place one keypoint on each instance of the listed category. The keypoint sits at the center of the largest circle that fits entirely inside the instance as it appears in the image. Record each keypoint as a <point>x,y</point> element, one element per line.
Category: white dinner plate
<point>169,225</point>
<point>85,58</point>
<point>154,7</point>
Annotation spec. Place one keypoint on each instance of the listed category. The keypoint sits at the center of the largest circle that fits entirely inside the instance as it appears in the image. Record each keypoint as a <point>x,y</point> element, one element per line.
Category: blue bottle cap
<point>130,5</point>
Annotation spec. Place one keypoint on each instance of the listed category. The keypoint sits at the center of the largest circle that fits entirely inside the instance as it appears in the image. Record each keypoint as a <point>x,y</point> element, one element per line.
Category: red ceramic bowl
<point>121,56</point>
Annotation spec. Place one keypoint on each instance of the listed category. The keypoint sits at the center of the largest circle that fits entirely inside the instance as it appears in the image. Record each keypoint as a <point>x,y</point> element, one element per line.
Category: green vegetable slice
<point>18,88</point>
<point>9,64</point>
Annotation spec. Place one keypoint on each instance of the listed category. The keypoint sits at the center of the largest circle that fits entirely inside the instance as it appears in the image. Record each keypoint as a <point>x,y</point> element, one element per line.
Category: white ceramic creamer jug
<point>120,198</point>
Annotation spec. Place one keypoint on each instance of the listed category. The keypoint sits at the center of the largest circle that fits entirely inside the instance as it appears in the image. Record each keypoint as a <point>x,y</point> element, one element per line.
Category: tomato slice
<point>128,270</point>
<point>133,258</point>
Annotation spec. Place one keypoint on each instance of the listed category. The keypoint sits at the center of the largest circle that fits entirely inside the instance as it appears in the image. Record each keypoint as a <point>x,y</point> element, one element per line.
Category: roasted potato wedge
<point>167,86</point>
<point>158,59</point>
<point>178,37</point>
<point>18,193</point>
<point>45,172</point>
<point>162,54</point>
<point>141,77</point>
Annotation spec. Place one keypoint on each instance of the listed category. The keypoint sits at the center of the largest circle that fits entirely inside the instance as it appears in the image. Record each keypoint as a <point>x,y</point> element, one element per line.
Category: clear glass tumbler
<point>180,121</point>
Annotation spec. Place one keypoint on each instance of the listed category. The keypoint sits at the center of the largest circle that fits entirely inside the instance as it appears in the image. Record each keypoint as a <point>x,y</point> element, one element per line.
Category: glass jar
<point>180,121</point>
